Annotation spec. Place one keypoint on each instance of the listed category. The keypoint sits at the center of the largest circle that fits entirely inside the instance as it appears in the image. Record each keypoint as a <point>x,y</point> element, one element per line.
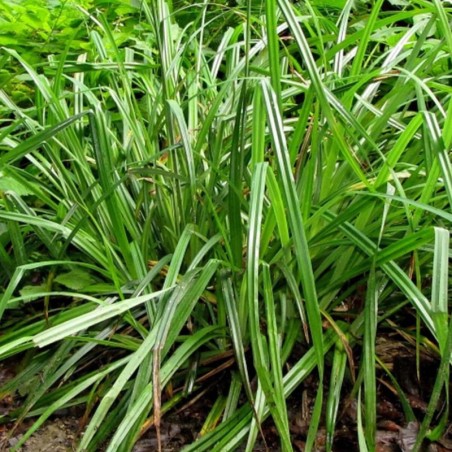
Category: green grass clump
<point>226,181</point>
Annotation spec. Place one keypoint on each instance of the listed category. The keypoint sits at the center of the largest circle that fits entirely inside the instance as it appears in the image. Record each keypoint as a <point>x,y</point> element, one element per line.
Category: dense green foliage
<point>185,182</point>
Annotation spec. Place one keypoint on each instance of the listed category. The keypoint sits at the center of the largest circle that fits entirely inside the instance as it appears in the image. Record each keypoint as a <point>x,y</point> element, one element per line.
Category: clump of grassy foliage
<point>208,187</point>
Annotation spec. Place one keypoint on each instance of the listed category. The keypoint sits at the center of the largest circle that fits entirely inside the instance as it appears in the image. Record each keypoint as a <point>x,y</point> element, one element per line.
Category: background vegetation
<point>254,190</point>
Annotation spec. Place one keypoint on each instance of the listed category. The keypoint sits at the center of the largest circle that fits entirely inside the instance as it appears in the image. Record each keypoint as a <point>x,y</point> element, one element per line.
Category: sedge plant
<point>222,182</point>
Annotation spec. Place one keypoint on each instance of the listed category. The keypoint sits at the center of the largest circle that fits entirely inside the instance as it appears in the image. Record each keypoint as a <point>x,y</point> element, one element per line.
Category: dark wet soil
<point>181,427</point>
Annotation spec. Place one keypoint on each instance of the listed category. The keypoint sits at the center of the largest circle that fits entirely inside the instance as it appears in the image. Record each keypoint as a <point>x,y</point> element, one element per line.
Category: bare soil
<point>394,433</point>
